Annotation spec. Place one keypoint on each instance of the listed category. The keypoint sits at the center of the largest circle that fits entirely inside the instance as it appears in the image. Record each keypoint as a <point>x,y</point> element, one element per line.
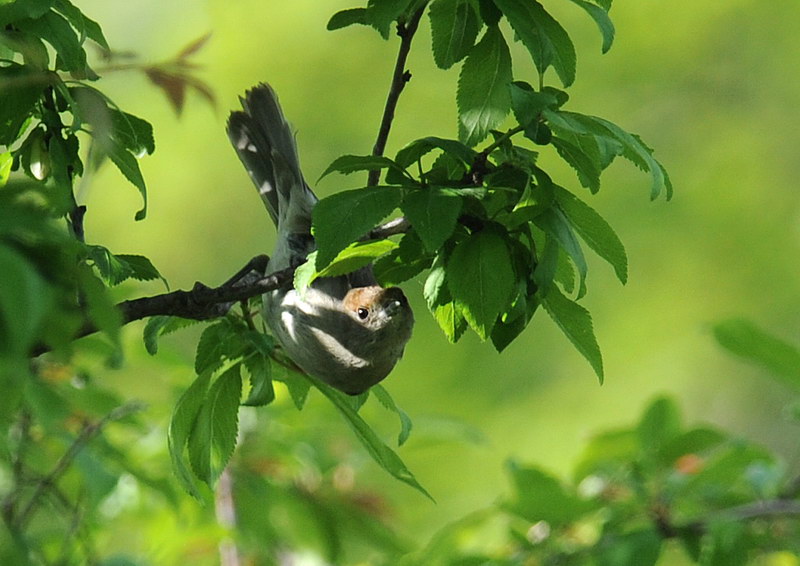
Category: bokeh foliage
<point>313,503</point>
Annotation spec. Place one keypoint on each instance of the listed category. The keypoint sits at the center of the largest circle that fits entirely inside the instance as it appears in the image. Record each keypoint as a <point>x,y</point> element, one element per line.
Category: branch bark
<point>400,77</point>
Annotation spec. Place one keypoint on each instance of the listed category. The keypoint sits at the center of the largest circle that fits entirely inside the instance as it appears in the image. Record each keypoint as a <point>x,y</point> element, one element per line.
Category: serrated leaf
<point>298,387</point>
<point>595,231</point>
<point>340,219</point>
<point>211,347</point>
<point>57,31</point>
<point>213,435</point>
<point>483,98</point>
<point>744,339</point>
<point>613,139</point>
<point>140,268</point>
<point>385,399</point>
<point>261,391</point>
<point>555,224</point>
<point>356,256</point>
<point>85,26</point>
<point>384,456</point>
<point>548,42</point>
<point>158,326</point>
<point>444,309</point>
<point>101,309</point>
<point>576,324</point>
<point>586,166</point>
<point>415,150</point>
<point>481,278</point>
<point>129,167</point>
<point>347,164</point>
<point>20,89</point>
<point>528,106</point>
<point>454,27</point>
<point>403,263</point>
<point>381,14</point>
<point>133,133</point>
<point>433,213</point>
<point>345,18</point>
<point>181,426</point>
<point>600,16</point>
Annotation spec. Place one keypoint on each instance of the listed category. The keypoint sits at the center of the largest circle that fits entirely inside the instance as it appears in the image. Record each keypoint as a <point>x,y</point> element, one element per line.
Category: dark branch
<point>400,77</point>
<point>203,302</point>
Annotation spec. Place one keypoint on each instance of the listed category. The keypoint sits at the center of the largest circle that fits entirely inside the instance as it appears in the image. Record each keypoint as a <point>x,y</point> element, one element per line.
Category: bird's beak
<point>393,307</point>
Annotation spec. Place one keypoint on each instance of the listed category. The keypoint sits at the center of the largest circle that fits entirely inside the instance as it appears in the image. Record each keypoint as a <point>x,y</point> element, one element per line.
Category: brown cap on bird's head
<point>362,300</point>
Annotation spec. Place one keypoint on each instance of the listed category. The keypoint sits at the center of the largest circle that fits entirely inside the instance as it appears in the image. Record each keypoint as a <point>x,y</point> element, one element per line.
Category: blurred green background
<point>712,86</point>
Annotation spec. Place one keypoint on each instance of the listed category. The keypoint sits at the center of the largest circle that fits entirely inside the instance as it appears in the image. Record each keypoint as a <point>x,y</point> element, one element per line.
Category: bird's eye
<point>362,312</point>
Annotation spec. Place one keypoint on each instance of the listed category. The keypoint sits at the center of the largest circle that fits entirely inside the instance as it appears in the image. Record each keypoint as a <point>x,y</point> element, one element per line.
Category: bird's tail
<point>264,141</point>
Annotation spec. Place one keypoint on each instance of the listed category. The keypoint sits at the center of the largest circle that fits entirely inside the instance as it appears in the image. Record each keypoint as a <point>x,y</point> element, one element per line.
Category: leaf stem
<point>400,77</point>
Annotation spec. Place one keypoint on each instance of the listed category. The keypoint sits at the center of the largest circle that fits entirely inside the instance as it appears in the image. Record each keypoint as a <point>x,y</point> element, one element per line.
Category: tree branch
<point>203,302</point>
<point>400,77</point>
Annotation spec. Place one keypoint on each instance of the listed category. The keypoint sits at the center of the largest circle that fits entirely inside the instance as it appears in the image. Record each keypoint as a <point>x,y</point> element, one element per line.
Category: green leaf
<point>357,255</point>
<point>183,421</point>
<point>211,348</point>
<point>540,497</point>
<point>6,160</point>
<point>744,339</point>
<point>385,399</point>
<point>483,98</point>
<point>128,166</point>
<point>20,89</point>
<point>298,387</point>
<point>481,278</point>
<point>353,257</point>
<point>528,106</point>
<point>340,219</point>
<point>442,306</point>
<point>642,548</point>
<point>158,326</point>
<point>611,137</point>
<point>344,18</point>
<point>513,322</point>
<point>140,268</point>
<point>660,425</point>
<point>594,230</point>
<point>433,213</point>
<point>402,263</point>
<point>133,133</point>
<point>261,391</point>
<point>11,12</point>
<point>213,436</point>
<point>24,301</point>
<point>85,26</point>
<point>101,308</point>
<point>600,16</point>
<point>454,27</point>
<point>351,163</point>
<point>585,165</point>
<point>548,42</point>
<point>385,457</point>
<point>33,50</point>
<point>414,151</point>
<point>555,224</point>
<point>57,31</point>
<point>576,323</point>
<point>381,14</point>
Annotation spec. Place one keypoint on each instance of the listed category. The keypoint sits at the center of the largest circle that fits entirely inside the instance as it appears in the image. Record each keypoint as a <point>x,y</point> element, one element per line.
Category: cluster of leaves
<point>637,495</point>
<point>235,361</point>
<point>499,236</point>
<point>53,281</point>
<point>67,448</point>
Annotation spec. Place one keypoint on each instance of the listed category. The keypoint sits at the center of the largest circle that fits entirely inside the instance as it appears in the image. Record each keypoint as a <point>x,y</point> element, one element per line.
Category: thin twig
<point>87,433</point>
<point>400,77</point>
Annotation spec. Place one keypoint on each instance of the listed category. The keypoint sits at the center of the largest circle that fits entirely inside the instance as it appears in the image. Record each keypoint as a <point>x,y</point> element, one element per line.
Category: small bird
<point>347,331</point>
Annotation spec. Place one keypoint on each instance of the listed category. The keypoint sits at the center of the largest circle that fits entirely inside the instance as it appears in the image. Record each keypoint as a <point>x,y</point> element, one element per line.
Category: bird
<point>347,330</point>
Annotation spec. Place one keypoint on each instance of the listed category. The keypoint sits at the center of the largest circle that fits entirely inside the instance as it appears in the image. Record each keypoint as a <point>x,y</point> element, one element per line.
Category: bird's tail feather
<point>264,141</point>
